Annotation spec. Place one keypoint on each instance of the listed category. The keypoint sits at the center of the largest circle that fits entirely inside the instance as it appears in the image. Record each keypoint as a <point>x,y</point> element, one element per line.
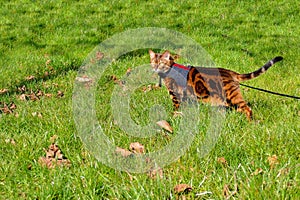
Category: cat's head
<point>162,63</point>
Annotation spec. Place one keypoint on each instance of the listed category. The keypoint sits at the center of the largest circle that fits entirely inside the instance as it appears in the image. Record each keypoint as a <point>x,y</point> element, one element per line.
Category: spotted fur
<point>217,86</point>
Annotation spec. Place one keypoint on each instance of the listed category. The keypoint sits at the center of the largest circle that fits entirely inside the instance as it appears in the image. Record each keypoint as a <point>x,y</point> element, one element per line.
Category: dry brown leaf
<point>84,79</point>
<point>33,97</point>
<point>147,88</point>
<point>22,89</point>
<point>4,108</point>
<point>48,95</point>
<point>29,78</point>
<point>137,147</point>
<point>48,62</point>
<point>46,74</point>
<point>226,191</point>
<point>123,152</point>
<point>273,160</point>
<point>165,125</point>
<point>128,71</point>
<point>257,171</point>
<point>114,78</point>
<point>283,171</point>
<point>60,94</point>
<point>37,114</point>
<point>12,106</point>
<point>11,141</point>
<point>7,109</point>
<point>99,55</point>
<point>54,157</point>
<point>23,97</point>
<point>3,91</point>
<point>117,81</point>
<point>153,173</point>
<point>222,161</point>
<point>39,93</point>
<point>177,114</point>
<point>16,114</point>
<point>182,188</point>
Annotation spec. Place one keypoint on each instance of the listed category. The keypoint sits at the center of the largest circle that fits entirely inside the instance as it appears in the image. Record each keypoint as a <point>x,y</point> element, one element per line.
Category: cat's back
<point>214,72</point>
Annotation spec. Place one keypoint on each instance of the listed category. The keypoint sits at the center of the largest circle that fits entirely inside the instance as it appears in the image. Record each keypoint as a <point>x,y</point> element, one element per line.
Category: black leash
<point>267,91</point>
<point>259,89</point>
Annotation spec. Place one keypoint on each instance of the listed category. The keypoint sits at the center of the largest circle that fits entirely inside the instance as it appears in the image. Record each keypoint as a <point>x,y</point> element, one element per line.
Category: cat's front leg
<point>174,92</point>
<point>175,99</point>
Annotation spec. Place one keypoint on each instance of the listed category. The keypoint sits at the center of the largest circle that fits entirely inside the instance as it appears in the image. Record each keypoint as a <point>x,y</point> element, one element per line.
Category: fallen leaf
<point>22,89</point>
<point>39,93</point>
<point>165,125</point>
<point>5,109</point>
<point>3,91</point>
<point>48,95</point>
<point>283,171</point>
<point>29,78</point>
<point>137,147</point>
<point>54,157</point>
<point>222,161</point>
<point>117,81</point>
<point>257,171</point>
<point>226,191</point>
<point>10,141</point>
<point>46,74</point>
<point>177,114</point>
<point>273,160</point>
<point>33,97</point>
<point>182,188</point>
<point>37,114</point>
<point>147,88</point>
<point>123,152</point>
<point>23,97</point>
<point>48,62</point>
<point>83,79</point>
<point>60,94</point>
<point>99,55</point>
<point>128,71</point>
<point>114,78</point>
<point>157,172</point>
<point>12,106</point>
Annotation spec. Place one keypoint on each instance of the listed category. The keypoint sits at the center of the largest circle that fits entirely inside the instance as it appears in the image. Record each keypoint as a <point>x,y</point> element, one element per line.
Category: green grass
<point>238,35</point>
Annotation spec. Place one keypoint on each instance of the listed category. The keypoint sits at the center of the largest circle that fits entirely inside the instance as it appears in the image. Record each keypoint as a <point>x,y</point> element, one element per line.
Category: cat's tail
<point>244,77</point>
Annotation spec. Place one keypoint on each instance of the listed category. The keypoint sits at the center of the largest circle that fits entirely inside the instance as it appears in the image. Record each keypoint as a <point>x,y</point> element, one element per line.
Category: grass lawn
<point>42,46</point>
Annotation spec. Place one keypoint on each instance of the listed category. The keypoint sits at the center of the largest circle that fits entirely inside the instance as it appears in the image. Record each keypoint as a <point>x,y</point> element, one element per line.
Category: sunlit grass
<point>51,39</point>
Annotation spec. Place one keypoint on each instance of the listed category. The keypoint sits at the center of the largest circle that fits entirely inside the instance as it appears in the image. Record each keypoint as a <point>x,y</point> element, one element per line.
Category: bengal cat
<point>217,86</point>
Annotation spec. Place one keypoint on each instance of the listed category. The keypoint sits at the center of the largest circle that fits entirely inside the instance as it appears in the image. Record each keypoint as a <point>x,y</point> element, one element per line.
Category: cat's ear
<point>166,55</point>
<point>152,54</point>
